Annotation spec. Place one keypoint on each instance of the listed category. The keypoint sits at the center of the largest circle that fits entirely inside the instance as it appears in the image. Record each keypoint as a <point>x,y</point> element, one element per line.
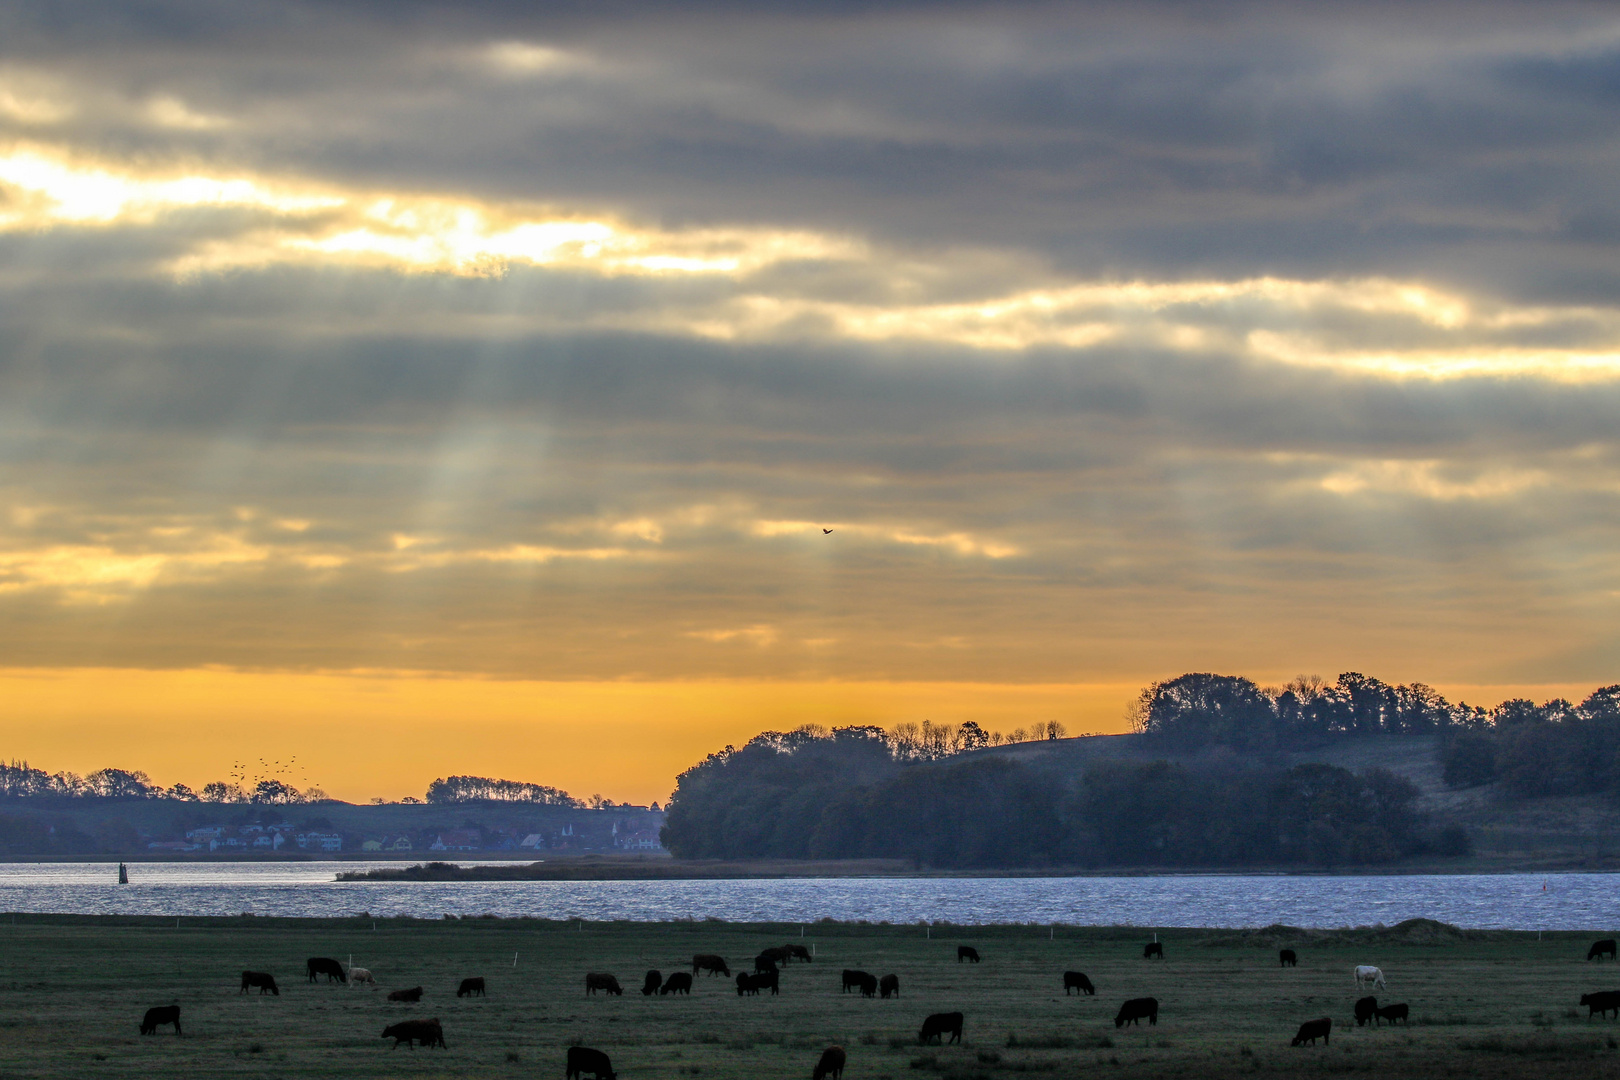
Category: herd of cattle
<point>766,976</point>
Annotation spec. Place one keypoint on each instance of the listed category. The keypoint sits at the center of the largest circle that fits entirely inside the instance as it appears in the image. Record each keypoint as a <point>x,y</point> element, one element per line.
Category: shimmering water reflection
<point>1498,901</point>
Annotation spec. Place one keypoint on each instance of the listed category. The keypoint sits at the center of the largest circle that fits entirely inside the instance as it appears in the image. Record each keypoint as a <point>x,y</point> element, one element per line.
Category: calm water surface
<point>1498,901</point>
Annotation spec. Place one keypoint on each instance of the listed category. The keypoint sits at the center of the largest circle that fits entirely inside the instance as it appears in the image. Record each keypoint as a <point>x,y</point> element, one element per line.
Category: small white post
<point>514,959</point>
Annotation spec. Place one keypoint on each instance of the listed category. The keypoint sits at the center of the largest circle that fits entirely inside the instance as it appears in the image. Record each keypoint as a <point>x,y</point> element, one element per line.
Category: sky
<point>470,388</point>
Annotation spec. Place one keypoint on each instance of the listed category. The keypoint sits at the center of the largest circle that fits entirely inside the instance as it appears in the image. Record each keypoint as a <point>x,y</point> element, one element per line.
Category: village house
<point>457,840</point>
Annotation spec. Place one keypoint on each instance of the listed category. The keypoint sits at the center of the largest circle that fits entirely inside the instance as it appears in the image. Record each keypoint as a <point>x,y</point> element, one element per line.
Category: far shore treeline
<point>1217,772</point>
<point>1217,780</point>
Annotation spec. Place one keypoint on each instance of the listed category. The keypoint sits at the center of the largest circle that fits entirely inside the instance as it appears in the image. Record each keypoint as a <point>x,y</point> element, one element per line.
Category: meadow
<point>73,989</point>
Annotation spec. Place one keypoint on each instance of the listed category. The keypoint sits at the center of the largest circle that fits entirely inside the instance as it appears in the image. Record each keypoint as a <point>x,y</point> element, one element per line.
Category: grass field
<point>72,991</point>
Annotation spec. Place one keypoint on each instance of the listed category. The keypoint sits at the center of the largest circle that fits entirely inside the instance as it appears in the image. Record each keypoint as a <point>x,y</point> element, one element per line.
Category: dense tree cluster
<point>1555,748</point>
<point>1199,710</point>
<point>460,789</point>
<point>20,780</point>
<point>814,794</point>
<point>30,835</point>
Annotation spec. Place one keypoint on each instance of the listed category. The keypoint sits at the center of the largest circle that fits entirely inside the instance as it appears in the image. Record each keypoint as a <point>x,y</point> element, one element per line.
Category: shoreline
<point>1419,931</point>
<point>644,868</point>
<point>765,870</point>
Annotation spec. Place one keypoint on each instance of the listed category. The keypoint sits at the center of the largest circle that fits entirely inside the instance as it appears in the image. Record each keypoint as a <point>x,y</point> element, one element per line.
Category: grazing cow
<point>869,986</point>
<point>889,985</point>
<point>765,961</point>
<point>262,979</point>
<point>754,982</point>
<point>163,1014</point>
<point>830,1065</point>
<point>473,987</point>
<point>710,963</point>
<point>1076,980</point>
<point>1287,958</point>
<point>1602,1002</point>
<point>853,980</point>
<point>798,952</point>
<point>1311,1030</point>
<point>1135,1009</point>
<point>651,984</point>
<point>1366,973</point>
<point>776,954</point>
<point>361,975</point>
<point>1152,949</point>
<point>320,965</point>
<point>582,1060</point>
<point>601,980</point>
<point>1600,949</point>
<point>936,1026</point>
<point>1366,1009</point>
<point>411,1032</point>
<point>680,982</point>
<point>1392,1013</point>
<point>413,995</point>
<point>967,952</point>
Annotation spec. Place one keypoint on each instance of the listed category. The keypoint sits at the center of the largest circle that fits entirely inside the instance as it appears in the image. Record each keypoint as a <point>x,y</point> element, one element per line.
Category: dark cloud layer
<point>301,457</point>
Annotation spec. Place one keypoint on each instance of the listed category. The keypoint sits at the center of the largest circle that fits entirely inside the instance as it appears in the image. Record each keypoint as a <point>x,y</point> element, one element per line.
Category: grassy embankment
<point>73,989</point>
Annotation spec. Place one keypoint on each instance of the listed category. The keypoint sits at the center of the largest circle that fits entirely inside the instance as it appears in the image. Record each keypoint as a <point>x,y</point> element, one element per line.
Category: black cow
<point>775,956</point>
<point>710,963</point>
<point>1135,1009</point>
<point>1076,980</point>
<point>830,1065</point>
<point>765,961</point>
<point>1602,1002</point>
<point>651,984</point>
<point>1152,949</point>
<point>1600,949</point>
<point>938,1024</point>
<point>262,979</point>
<point>413,995</point>
<point>582,1060</point>
<point>1391,1013</point>
<point>163,1014</point>
<point>411,1032</point>
<point>967,952</point>
<point>321,965</point>
<point>1311,1030</point>
<point>798,952</point>
<point>680,982</point>
<point>853,980</point>
<point>1287,958</point>
<point>600,980</point>
<point>754,982</point>
<point>1366,1008</point>
<point>473,987</point>
<point>889,986</point>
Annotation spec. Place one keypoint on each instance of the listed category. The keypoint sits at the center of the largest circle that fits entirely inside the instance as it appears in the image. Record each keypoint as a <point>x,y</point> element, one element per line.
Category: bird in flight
<point>824,532</point>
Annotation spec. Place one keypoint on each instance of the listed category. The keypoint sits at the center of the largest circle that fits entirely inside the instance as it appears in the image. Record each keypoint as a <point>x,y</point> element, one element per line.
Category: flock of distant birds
<point>766,976</point>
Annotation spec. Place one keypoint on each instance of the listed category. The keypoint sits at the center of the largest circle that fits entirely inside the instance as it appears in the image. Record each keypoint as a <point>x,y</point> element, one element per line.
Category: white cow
<point>360,975</point>
<point>1365,973</point>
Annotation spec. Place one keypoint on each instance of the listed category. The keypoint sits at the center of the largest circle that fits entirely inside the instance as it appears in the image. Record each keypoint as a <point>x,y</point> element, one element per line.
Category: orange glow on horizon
<point>389,734</point>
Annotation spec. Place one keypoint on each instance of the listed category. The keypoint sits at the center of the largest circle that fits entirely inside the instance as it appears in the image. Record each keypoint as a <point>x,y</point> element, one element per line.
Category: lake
<point>1496,901</point>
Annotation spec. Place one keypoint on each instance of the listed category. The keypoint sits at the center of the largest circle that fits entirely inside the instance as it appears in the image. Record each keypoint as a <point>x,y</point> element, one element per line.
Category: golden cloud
<point>1380,326</point>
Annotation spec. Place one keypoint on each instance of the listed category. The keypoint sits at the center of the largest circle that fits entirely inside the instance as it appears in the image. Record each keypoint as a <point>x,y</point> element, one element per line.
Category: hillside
<point>1578,832</point>
<point>128,827</point>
